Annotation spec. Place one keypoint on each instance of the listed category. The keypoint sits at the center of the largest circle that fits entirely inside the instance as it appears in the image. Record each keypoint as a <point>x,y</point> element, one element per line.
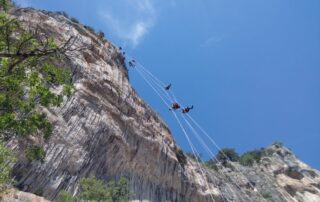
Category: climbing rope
<point>194,151</point>
<point>153,80</point>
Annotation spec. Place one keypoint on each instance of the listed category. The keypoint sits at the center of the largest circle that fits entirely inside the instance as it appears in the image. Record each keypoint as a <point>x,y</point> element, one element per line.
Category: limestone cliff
<point>106,130</point>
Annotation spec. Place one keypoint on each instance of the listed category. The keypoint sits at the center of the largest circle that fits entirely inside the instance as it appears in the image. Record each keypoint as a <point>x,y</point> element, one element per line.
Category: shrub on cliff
<point>119,191</point>
<point>194,156</point>
<point>65,196</point>
<point>92,189</point>
<point>249,158</point>
<point>6,160</point>
<point>35,153</point>
<point>180,156</point>
<point>75,20</point>
<point>101,34</point>
<point>227,154</point>
<point>5,5</point>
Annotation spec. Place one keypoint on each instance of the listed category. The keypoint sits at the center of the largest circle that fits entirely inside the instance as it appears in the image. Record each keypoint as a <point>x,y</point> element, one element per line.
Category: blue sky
<point>250,67</point>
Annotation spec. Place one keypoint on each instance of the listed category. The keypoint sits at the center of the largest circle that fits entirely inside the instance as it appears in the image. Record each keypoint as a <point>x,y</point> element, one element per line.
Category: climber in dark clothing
<point>175,106</point>
<point>132,63</point>
<point>187,109</point>
<point>168,87</point>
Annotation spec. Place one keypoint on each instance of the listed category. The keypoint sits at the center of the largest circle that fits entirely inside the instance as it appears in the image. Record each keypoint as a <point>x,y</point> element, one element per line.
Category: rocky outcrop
<point>13,195</point>
<point>106,130</point>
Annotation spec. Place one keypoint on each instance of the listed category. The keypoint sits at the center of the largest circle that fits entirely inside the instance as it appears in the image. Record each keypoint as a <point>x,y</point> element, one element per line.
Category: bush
<point>75,20</point>
<point>227,154</point>
<point>92,189</point>
<point>248,158</point>
<point>5,5</point>
<point>181,157</point>
<point>89,28</point>
<point>101,34</point>
<point>266,195</point>
<point>63,13</point>
<point>277,144</point>
<point>65,196</point>
<point>211,164</point>
<point>119,191</point>
<point>7,158</point>
<point>194,156</point>
<point>35,153</point>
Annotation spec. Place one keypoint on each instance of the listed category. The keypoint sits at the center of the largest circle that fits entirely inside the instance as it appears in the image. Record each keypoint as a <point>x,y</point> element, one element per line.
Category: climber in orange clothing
<point>175,106</point>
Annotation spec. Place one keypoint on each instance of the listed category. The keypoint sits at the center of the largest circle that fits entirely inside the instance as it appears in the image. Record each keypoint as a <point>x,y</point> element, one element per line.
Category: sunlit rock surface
<point>106,130</point>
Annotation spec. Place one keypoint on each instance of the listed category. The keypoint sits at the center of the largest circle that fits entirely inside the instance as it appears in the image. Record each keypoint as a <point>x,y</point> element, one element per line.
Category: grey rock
<point>106,130</point>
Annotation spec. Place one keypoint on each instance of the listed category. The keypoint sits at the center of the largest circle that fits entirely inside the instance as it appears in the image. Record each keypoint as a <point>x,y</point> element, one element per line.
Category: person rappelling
<point>175,106</point>
<point>132,63</point>
<point>167,87</point>
<point>187,109</point>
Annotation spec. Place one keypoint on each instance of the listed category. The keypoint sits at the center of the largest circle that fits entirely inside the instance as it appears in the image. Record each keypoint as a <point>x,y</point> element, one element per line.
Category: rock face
<point>19,196</point>
<point>106,130</point>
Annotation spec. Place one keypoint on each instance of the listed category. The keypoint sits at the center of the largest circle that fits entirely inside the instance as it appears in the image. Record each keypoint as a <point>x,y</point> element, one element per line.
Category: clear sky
<point>250,67</point>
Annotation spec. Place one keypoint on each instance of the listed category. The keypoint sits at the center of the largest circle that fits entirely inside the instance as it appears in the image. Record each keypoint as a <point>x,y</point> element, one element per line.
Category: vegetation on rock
<point>92,189</point>
<point>6,160</point>
<point>28,75</point>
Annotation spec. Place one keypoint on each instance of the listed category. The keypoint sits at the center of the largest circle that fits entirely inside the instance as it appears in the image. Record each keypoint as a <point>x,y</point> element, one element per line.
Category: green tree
<point>247,159</point>
<point>212,164</point>
<point>196,157</point>
<point>27,76</point>
<point>92,189</point>
<point>35,153</point>
<point>65,196</point>
<point>5,5</point>
<point>7,159</point>
<point>180,156</point>
<point>227,154</point>
<point>120,191</point>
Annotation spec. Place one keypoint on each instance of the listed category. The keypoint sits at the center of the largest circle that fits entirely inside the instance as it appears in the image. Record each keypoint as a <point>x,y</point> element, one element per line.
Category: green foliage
<point>35,153</point>
<point>89,28</point>
<point>67,90</point>
<point>7,158</point>
<point>92,189</point>
<point>65,196</point>
<point>266,195</point>
<point>247,159</point>
<point>277,144</point>
<point>251,157</point>
<point>5,5</point>
<point>180,156</point>
<point>194,156</point>
<point>63,13</point>
<point>227,154</point>
<point>27,75</point>
<point>75,20</point>
<point>119,191</point>
<point>211,164</point>
<point>101,34</point>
